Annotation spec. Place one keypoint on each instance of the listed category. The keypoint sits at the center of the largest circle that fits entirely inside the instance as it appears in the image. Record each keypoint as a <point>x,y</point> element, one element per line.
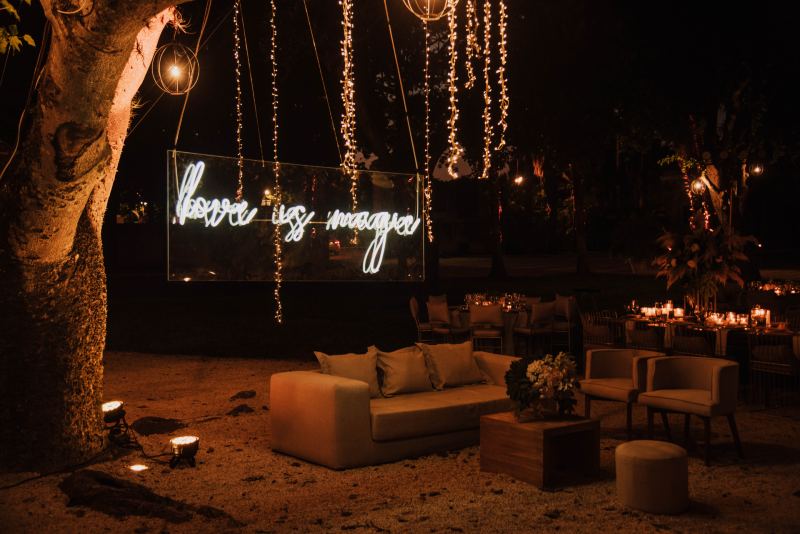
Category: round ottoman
<point>653,476</point>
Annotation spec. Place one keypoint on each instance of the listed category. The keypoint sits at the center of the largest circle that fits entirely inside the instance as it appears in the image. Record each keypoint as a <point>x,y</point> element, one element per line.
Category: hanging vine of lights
<point>455,148</point>
<point>427,189</point>
<point>473,49</point>
<point>348,102</point>
<point>501,74</point>
<point>237,45</point>
<point>276,167</point>
<point>487,91</point>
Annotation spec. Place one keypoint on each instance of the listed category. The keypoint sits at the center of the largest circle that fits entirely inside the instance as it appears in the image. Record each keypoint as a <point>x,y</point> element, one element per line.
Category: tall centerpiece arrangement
<point>702,261</point>
<point>541,387</point>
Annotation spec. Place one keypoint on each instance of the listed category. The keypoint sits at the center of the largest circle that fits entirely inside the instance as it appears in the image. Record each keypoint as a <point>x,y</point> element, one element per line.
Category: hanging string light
<point>473,49</point>
<point>427,188</point>
<point>455,148</point>
<point>349,102</point>
<point>237,44</point>
<point>487,91</point>
<point>501,74</point>
<point>276,168</point>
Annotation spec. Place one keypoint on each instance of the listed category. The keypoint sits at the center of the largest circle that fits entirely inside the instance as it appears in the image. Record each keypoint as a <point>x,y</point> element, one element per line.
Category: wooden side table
<point>536,451</point>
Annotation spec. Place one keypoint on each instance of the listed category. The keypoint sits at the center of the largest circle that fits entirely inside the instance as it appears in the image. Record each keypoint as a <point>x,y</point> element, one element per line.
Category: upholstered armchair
<point>704,387</point>
<point>615,375</point>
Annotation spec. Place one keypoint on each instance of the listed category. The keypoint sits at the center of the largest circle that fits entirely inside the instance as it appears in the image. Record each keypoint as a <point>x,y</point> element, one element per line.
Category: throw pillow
<point>451,364</point>
<point>361,367</point>
<point>404,371</point>
<point>438,312</point>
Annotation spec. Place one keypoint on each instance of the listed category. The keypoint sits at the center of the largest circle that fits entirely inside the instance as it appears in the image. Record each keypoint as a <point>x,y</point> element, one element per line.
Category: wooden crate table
<point>537,451</point>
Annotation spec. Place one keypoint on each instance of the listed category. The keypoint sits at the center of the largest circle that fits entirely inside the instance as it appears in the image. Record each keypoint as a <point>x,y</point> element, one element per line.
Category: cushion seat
<point>436,412</point>
<point>620,389</point>
<point>696,401</point>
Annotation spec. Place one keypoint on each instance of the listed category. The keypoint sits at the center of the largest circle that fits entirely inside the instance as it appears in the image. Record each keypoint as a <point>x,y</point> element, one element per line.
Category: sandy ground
<point>267,492</point>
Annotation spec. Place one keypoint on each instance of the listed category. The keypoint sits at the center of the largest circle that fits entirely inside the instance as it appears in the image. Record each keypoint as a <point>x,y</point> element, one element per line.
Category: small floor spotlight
<point>136,468</point>
<point>114,418</point>
<point>184,448</point>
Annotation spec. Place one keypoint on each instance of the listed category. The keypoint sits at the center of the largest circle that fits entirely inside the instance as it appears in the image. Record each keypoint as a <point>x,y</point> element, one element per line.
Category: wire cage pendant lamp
<point>430,10</point>
<point>175,68</point>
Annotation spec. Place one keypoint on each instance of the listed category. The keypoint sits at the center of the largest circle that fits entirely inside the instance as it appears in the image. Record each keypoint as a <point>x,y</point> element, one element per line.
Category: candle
<point>678,313</point>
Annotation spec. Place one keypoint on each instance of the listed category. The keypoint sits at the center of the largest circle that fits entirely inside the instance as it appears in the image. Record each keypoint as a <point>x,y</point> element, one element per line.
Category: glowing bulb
<point>138,467</point>
<point>698,187</point>
<point>175,71</point>
<point>756,169</point>
<point>519,180</point>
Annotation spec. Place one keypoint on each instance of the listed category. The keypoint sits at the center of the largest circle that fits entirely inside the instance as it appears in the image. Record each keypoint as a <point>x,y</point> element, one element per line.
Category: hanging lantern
<point>175,69</point>
<point>698,186</point>
<point>755,169</point>
<point>429,10</point>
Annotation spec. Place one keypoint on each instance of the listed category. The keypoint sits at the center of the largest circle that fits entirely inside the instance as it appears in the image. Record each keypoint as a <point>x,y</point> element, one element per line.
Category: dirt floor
<point>266,492</point>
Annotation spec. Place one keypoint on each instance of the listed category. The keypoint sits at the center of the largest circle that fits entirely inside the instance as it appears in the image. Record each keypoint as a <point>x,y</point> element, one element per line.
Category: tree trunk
<point>52,279</point>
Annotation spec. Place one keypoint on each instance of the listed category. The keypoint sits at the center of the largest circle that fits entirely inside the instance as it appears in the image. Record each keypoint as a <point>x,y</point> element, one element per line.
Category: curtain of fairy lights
<point>348,102</point>
<point>501,74</point>
<point>237,45</point>
<point>455,148</point>
<point>487,90</point>
<point>276,236</point>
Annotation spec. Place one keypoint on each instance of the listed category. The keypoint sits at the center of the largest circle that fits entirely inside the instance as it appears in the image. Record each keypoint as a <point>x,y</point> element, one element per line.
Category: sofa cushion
<point>451,364</point>
<point>435,412</point>
<point>356,366</point>
<point>620,389</point>
<point>403,371</point>
<point>694,401</point>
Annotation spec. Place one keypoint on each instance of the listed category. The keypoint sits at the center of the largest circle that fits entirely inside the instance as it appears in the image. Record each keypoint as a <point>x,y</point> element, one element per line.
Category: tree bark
<point>52,279</point>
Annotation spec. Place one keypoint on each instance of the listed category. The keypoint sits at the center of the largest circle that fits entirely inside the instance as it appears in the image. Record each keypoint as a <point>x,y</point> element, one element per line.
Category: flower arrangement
<point>702,261</point>
<point>544,383</point>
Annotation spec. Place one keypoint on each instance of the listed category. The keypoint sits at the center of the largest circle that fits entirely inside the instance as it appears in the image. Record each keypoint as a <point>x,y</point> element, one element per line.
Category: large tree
<point>52,201</point>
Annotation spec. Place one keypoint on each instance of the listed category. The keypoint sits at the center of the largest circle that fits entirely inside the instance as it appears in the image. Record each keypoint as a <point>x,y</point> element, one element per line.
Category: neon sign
<point>218,212</point>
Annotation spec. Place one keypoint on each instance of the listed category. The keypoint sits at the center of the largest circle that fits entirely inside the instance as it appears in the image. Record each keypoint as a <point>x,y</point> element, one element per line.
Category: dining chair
<point>424,330</point>
<point>772,361</point>
<point>693,340</point>
<point>486,326</point>
<point>566,319</point>
<point>646,336</point>
<point>692,385</point>
<point>539,327</point>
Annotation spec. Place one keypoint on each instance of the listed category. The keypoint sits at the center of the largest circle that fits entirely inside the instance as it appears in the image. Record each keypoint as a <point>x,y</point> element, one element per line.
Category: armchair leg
<point>587,406</point>
<point>665,420</point>
<point>649,423</point>
<point>707,437</point>
<point>629,419</point>
<point>735,433</point>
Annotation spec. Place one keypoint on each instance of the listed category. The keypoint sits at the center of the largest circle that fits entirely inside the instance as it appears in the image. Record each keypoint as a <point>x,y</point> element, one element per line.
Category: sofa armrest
<point>321,418</point>
<point>495,366</point>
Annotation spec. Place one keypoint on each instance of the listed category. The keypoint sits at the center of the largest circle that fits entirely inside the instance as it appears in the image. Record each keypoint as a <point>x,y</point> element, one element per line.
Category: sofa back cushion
<point>362,367</point>
<point>403,371</point>
<point>451,365</point>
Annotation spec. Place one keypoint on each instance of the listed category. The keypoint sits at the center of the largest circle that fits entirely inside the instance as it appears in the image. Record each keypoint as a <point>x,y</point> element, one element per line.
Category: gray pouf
<point>653,476</point>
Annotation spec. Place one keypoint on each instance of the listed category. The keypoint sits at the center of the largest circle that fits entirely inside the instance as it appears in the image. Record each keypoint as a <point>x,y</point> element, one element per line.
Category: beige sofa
<point>332,421</point>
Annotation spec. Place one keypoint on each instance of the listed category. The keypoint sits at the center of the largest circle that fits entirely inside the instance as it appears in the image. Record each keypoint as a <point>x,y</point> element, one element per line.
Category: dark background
<point>607,87</point>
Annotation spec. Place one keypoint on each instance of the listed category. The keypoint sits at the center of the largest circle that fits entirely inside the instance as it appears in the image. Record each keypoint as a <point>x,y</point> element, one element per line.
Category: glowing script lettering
<point>212,211</point>
<point>382,223</point>
<point>297,219</point>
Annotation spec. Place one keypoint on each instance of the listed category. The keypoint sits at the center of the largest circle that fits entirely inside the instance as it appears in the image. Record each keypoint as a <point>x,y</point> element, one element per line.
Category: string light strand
<point>276,168</point>
<point>487,91</point>
<point>427,186</point>
<point>501,74</point>
<point>237,44</point>
<point>348,128</point>
<point>455,148</point>
<point>473,48</point>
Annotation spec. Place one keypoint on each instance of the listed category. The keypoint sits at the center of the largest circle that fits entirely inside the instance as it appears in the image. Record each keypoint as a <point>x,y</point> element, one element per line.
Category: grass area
<point>147,314</point>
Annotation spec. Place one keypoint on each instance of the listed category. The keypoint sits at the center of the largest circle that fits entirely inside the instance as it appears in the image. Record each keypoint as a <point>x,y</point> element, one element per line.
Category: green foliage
<point>10,38</point>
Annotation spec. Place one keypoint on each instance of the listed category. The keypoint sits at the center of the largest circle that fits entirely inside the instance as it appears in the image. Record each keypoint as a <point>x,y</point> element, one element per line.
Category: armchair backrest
<point>620,363</point>
<point>718,376</point>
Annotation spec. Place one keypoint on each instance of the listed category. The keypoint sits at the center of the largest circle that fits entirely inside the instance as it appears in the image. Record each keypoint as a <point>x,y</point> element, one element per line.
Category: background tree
<point>53,198</point>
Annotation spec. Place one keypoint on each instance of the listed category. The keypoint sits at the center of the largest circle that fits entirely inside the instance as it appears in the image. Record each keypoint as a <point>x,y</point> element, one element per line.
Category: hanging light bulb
<point>175,69</point>
<point>755,169</point>
<point>698,186</point>
<point>430,10</point>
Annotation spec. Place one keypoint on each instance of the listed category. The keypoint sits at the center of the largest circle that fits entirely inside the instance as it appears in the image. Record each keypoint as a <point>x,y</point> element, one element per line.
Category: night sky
<point>583,74</point>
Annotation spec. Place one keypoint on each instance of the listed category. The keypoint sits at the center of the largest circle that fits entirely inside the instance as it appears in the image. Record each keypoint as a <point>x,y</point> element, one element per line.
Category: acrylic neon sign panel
<point>212,236</point>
